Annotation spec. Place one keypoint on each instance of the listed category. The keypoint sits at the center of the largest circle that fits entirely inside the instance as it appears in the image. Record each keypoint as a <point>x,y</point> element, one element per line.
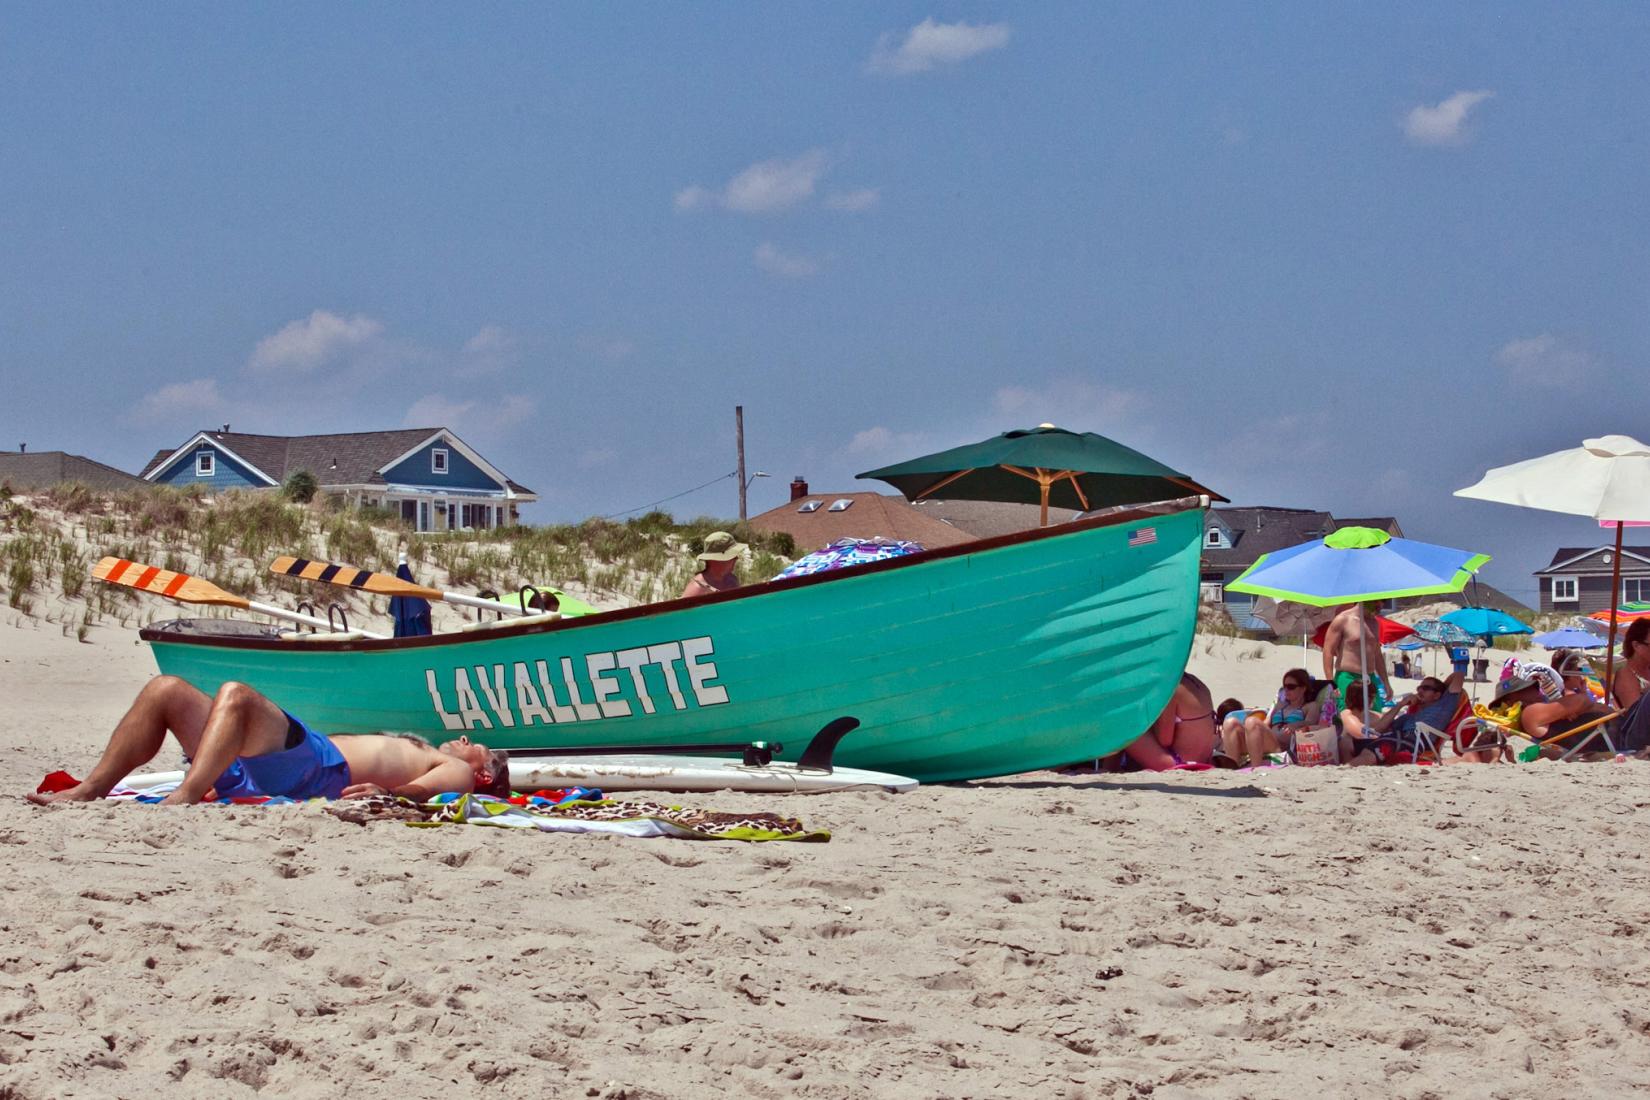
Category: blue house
<point>433,478</point>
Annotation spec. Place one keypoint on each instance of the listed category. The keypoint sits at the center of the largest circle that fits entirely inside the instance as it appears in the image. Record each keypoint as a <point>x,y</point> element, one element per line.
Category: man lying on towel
<point>240,744</point>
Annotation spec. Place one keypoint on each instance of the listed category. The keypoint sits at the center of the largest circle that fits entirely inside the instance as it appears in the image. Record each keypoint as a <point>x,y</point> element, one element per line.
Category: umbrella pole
<point>1042,482</point>
<point>1615,587</point>
<point>1363,662</point>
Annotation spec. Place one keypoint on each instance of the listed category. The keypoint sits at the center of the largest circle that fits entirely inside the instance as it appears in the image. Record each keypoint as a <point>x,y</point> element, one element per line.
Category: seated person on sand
<point>241,744</point>
<point>1631,681</point>
<point>1362,744</point>
<point>1521,706</point>
<point>1433,703</point>
<point>1249,734</point>
<point>1184,734</point>
<point>716,565</point>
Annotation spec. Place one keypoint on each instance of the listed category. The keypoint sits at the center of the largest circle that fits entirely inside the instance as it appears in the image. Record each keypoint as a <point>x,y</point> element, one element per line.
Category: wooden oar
<point>187,589</point>
<point>383,584</point>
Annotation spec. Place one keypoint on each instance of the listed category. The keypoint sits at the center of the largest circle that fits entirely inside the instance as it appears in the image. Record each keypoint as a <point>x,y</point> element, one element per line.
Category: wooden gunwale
<point>1110,519</point>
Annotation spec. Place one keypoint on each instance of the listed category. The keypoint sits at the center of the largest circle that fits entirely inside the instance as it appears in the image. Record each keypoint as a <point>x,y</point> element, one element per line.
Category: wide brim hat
<point>720,546</point>
<point>1513,687</point>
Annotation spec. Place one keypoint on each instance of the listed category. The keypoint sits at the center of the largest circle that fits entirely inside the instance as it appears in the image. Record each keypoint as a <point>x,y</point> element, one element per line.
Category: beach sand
<point>1412,932</point>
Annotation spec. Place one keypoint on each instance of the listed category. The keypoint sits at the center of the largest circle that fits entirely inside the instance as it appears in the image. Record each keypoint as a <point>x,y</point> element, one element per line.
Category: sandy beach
<point>1416,932</point>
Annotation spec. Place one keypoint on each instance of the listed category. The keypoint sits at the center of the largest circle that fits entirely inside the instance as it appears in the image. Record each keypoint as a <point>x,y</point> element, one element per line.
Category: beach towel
<point>638,819</point>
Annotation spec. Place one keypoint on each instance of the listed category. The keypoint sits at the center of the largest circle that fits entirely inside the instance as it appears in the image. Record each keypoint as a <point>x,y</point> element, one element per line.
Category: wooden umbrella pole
<point>1615,587</point>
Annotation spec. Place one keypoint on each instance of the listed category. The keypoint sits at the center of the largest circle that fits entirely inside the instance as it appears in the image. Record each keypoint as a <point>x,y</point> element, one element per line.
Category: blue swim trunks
<point>310,767</point>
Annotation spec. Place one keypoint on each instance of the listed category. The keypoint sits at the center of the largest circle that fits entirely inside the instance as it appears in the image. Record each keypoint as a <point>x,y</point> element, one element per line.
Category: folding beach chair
<point>1429,739</point>
<point>1481,733</point>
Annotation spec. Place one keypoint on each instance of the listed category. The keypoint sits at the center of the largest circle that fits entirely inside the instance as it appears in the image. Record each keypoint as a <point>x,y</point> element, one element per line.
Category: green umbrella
<point>1078,470</point>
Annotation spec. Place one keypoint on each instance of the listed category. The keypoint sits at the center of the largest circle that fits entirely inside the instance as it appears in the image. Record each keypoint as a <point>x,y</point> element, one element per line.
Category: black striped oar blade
<point>347,576</point>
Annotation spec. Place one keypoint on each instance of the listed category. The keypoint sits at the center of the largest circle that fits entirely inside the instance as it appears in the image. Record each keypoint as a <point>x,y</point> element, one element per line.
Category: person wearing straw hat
<point>717,562</point>
<point>1520,701</point>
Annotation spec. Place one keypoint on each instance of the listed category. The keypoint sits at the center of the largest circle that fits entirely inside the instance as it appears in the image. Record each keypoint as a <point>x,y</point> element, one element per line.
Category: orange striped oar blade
<point>163,582</point>
<point>364,580</point>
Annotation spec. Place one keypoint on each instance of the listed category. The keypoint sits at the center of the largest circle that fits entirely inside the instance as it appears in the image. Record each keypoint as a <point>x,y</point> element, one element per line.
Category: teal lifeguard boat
<point>990,658</point>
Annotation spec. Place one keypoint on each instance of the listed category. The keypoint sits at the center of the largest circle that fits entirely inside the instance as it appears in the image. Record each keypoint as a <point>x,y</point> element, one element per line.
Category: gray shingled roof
<point>1566,553</point>
<point>342,458</point>
<point>43,469</point>
<point>985,519</point>
<point>1257,531</point>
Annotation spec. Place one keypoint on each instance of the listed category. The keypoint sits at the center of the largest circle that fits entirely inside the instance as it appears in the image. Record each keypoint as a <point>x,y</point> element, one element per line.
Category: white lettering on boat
<point>614,684</point>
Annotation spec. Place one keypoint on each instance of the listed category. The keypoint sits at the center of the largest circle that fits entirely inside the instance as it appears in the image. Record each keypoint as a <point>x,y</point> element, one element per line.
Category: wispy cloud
<point>929,45</point>
<point>784,264</point>
<point>1543,361</point>
<point>489,351</point>
<point>1444,123</point>
<point>181,402</point>
<point>764,188</point>
<point>1072,403</point>
<point>437,410</point>
<point>865,198</point>
<point>312,342</point>
<point>878,441</point>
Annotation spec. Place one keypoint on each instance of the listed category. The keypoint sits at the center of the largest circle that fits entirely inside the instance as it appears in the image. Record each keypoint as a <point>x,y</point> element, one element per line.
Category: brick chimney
<point>799,488</point>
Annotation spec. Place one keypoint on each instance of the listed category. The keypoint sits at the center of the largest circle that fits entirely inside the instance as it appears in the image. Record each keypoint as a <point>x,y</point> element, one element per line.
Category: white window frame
<point>1213,537</point>
<point>440,461</point>
<point>1641,586</point>
<point>1211,591</point>
<point>206,464</point>
<point>1574,588</point>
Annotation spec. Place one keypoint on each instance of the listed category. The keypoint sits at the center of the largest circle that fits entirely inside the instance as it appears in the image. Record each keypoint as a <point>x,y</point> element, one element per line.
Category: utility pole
<point>739,441</point>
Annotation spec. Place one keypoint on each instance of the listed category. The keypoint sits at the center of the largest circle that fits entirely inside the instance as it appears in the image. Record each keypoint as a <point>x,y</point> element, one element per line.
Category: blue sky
<point>1315,255</point>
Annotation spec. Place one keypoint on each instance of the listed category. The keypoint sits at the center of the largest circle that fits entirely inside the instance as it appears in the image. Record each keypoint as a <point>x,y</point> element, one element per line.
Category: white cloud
<point>434,410</point>
<point>1445,123</point>
<point>764,188</point>
<point>783,264</point>
<point>865,198</point>
<point>1074,404</point>
<point>307,344</point>
<point>929,44</point>
<point>490,350</point>
<point>1543,360</point>
<point>181,401</point>
<point>880,441</point>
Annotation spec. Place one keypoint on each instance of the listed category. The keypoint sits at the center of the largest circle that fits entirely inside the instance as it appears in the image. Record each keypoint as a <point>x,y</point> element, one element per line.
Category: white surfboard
<point>659,773</point>
<point>691,773</point>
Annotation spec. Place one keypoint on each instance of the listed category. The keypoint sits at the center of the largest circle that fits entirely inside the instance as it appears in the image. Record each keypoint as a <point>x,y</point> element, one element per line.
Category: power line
<point>667,500</point>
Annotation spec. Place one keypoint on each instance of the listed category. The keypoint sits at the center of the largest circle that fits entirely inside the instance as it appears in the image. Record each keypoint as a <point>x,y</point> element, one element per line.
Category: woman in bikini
<point>1629,687</point>
<point>1183,737</point>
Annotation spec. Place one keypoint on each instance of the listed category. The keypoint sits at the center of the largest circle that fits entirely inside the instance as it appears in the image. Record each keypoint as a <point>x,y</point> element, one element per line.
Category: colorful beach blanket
<point>639,819</point>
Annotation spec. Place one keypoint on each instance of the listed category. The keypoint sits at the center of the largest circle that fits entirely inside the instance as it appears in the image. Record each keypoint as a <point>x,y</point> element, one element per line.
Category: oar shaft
<point>297,617</point>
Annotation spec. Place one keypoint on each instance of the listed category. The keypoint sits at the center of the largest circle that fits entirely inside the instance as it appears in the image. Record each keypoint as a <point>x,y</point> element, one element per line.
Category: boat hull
<point>992,658</point>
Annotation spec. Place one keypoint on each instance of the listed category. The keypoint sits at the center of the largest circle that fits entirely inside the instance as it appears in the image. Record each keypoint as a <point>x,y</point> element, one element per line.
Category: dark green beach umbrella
<point>1046,465</point>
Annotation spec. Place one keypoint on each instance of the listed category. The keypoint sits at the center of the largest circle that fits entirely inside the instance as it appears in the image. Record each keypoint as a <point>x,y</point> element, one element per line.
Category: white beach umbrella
<point>1607,478</point>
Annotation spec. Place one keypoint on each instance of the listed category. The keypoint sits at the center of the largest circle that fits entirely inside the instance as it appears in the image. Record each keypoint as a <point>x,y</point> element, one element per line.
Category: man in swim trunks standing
<point>1352,652</point>
<point>240,743</point>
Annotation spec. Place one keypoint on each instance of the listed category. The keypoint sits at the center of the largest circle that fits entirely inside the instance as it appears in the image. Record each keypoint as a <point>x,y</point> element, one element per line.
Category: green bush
<point>300,486</point>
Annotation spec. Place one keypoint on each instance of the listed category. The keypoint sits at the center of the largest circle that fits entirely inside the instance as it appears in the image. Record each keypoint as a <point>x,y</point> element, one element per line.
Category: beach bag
<point>1317,746</point>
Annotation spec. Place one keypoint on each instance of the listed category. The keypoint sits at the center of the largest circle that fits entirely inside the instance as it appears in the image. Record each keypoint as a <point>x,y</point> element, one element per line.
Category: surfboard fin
<point>817,756</point>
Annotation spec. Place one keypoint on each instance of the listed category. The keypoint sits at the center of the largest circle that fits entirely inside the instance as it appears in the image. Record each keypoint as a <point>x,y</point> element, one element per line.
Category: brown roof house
<point>1578,578</point>
<point>433,478</point>
<point>986,519</point>
<point>816,520</point>
<point>24,471</point>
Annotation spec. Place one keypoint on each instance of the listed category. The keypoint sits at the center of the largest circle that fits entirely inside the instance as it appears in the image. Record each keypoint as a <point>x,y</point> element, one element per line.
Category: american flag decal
<point>1142,536</point>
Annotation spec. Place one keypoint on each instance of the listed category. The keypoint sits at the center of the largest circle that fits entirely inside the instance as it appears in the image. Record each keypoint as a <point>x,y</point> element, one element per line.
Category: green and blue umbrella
<point>1484,623</point>
<point>1358,565</point>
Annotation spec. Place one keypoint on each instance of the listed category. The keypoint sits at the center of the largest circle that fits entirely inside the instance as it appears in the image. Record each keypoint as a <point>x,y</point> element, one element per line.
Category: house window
<point>1635,589</point>
<point>1564,590</point>
<point>1212,592</point>
<point>810,506</point>
<point>841,505</point>
<point>203,464</point>
<point>438,460</point>
<point>1211,537</point>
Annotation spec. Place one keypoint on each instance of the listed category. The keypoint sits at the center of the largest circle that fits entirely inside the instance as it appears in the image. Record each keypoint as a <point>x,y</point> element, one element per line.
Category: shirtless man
<point>716,564</point>
<point>1344,660</point>
<point>1183,734</point>
<point>240,743</point>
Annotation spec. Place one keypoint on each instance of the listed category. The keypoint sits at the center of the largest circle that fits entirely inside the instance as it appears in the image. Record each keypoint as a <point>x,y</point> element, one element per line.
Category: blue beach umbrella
<point>849,551</point>
<point>1486,622</point>
<point>1441,632</point>
<point>1357,565</point>
<point>411,613</point>
<point>1569,637</point>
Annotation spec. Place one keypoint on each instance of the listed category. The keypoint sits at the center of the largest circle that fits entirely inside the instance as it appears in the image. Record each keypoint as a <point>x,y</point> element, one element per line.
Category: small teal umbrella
<point>1485,623</point>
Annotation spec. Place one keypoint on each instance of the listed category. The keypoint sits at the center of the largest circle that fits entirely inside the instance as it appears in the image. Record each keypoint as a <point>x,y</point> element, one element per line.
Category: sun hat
<point>721,546</point>
<point>1513,687</point>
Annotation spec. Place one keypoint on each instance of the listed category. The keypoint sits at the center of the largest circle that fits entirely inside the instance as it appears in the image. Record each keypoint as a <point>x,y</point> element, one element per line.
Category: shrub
<point>300,486</point>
